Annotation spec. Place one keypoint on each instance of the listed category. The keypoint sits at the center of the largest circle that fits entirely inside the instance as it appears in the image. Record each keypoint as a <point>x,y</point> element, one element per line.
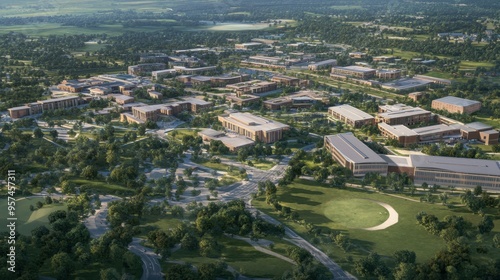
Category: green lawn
<point>263,164</point>
<point>26,219</point>
<point>242,257</point>
<point>311,200</point>
<point>101,186</point>
<point>355,213</point>
<point>153,222</point>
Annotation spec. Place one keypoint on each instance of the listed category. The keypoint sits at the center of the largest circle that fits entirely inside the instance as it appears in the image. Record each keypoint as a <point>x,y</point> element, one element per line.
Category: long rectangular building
<point>254,127</point>
<point>44,105</point>
<point>351,115</point>
<point>141,114</point>
<point>406,117</point>
<point>354,71</point>
<point>454,104</point>
<point>351,153</point>
<point>459,172</point>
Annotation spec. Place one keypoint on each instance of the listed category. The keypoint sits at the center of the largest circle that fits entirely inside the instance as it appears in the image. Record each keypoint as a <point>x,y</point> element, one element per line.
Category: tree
<point>39,204</point>
<point>405,256</point>
<point>478,190</point>
<point>48,200</point>
<point>54,134</point>
<point>37,133</point>
<point>486,224</point>
<point>89,172</point>
<point>110,274</point>
<point>62,265</point>
<point>209,247</point>
<point>207,271</point>
<point>405,271</point>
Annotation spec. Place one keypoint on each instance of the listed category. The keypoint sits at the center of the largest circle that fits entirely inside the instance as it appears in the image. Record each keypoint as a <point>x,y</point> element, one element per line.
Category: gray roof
<point>404,113</point>
<point>352,149</point>
<point>399,161</point>
<point>438,128</point>
<point>479,126</point>
<point>457,101</point>
<point>398,130</point>
<point>460,165</point>
<point>351,112</point>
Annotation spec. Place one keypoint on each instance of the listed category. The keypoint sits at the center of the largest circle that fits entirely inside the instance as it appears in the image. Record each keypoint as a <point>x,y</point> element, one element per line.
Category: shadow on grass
<point>313,218</point>
<point>308,192</point>
<point>299,199</point>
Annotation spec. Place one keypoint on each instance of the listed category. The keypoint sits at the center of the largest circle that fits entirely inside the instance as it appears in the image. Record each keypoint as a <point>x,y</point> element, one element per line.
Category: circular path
<point>392,220</point>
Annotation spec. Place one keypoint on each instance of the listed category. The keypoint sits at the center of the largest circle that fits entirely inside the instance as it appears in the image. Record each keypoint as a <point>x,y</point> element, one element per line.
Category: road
<point>244,190</point>
<point>97,226</point>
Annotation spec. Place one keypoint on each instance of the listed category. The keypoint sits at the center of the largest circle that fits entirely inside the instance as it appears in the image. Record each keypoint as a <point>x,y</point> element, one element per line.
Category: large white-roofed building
<point>351,153</point>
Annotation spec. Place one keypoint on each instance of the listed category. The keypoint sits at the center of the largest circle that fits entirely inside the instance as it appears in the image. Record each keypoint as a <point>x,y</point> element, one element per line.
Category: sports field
<point>26,219</point>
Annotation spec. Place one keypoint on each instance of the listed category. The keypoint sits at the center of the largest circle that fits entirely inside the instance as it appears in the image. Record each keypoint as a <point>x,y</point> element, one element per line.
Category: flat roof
<point>403,113</point>
<point>398,130</point>
<point>395,107</point>
<point>351,112</point>
<point>196,101</point>
<point>406,83</point>
<point>235,141</point>
<point>457,101</point>
<point>492,131</point>
<point>211,132</point>
<point>328,61</point>
<point>58,99</point>
<point>356,69</point>
<point>254,123</point>
<point>353,149</point>
<point>459,165</point>
<point>399,161</point>
<point>479,126</point>
<point>438,128</point>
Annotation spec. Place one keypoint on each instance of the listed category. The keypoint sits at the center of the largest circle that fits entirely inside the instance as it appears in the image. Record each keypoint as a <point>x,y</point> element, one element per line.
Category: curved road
<point>246,189</point>
<point>97,226</point>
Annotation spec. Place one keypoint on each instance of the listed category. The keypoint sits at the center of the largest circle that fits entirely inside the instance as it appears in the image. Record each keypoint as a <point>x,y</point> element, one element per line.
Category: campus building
<point>454,104</point>
<point>406,116</point>
<point>400,133</point>
<point>163,73</point>
<point>142,114</point>
<point>445,171</point>
<point>322,64</point>
<point>247,46</point>
<point>252,87</point>
<point>145,68</point>
<point>351,153</point>
<point>350,115</point>
<point>388,74</point>
<point>192,71</point>
<point>286,81</point>
<point>458,172</point>
<point>253,127</point>
<point>44,105</point>
<point>407,85</point>
<point>301,99</point>
<point>232,141</point>
<point>354,71</point>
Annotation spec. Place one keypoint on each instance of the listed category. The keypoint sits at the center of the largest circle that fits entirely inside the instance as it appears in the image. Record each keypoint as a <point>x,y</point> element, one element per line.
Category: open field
<point>153,222</point>
<point>311,199</point>
<point>45,29</point>
<point>26,219</point>
<point>355,213</point>
<point>242,257</point>
<point>230,26</point>
<point>101,186</point>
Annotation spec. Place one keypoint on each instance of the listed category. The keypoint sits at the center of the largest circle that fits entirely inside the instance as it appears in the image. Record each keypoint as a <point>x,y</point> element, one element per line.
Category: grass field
<point>101,186</point>
<point>153,222</point>
<point>355,213</point>
<point>26,219</point>
<point>311,200</point>
<point>263,164</point>
<point>242,257</point>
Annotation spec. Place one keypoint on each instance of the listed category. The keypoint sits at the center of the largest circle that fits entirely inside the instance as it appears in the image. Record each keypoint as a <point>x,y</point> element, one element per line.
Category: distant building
<point>233,142</point>
<point>416,96</point>
<point>247,46</point>
<point>146,68</point>
<point>288,81</point>
<point>154,94</point>
<point>300,99</point>
<point>191,71</point>
<point>142,114</point>
<point>388,74</point>
<point>121,99</point>
<point>454,104</point>
<point>163,73</point>
<point>153,57</point>
<point>351,115</point>
<point>351,153</point>
<point>354,71</point>
<point>434,80</point>
<point>407,85</point>
<point>357,54</point>
<point>388,59</point>
<point>44,105</point>
<point>322,64</point>
<point>253,127</point>
<point>407,116</point>
<point>253,87</point>
<point>243,99</point>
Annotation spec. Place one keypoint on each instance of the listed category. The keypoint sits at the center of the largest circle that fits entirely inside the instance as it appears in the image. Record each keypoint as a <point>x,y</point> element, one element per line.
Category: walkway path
<point>392,220</point>
<point>256,245</point>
